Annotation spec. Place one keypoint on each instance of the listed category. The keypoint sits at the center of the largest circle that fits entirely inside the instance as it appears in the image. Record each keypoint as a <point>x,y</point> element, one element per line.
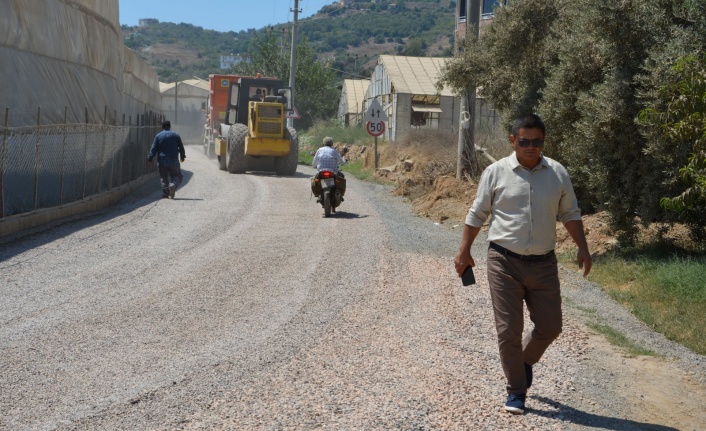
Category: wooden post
<point>121,167</point>
<point>130,147</point>
<point>36,159</point>
<point>112,151</point>
<point>466,135</point>
<point>63,158</point>
<point>3,155</point>
<point>85,152</point>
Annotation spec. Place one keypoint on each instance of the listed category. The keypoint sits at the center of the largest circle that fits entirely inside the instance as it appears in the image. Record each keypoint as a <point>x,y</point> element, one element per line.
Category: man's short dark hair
<point>528,121</point>
<point>328,141</point>
<point>166,125</point>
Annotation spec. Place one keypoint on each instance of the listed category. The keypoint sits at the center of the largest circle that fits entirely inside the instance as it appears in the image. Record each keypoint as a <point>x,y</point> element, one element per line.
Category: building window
<point>462,10</point>
<point>425,117</point>
<point>489,7</point>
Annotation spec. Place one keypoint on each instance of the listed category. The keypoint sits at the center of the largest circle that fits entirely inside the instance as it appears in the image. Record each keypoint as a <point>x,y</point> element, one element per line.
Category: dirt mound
<point>429,182</point>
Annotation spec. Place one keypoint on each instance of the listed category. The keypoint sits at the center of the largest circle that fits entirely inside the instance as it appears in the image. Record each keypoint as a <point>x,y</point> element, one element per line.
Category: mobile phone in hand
<point>467,278</point>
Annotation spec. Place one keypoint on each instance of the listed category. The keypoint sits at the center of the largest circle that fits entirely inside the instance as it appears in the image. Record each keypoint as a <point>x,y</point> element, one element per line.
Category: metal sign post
<point>292,113</point>
<point>375,118</point>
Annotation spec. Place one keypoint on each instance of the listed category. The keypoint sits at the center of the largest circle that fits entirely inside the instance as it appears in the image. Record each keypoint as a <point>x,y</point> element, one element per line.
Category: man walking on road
<point>169,149</point>
<point>524,195</point>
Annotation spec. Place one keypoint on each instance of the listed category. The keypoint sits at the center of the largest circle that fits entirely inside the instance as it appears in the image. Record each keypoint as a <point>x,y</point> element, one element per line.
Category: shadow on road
<point>145,195</point>
<point>347,215</point>
<point>591,420</point>
<point>275,175</point>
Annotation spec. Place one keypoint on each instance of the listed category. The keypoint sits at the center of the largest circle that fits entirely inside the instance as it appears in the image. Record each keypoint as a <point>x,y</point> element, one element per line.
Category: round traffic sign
<point>375,128</point>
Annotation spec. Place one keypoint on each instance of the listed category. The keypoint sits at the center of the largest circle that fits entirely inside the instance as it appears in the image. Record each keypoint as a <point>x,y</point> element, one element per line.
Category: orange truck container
<point>216,111</point>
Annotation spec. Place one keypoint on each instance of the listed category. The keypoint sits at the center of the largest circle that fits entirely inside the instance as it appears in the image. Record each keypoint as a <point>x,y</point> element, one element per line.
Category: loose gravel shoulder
<point>238,306</point>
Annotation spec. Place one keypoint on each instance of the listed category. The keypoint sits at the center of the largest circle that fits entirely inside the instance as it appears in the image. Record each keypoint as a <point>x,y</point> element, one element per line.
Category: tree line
<point>621,86</point>
<point>408,28</point>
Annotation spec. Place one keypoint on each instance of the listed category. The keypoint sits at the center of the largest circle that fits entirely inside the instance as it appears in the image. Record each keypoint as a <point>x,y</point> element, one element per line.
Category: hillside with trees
<point>349,38</point>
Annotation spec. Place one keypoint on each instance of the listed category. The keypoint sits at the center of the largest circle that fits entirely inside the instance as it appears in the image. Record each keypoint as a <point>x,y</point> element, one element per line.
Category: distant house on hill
<point>190,97</point>
<point>406,89</point>
<point>228,61</point>
<point>146,22</point>
<point>350,108</point>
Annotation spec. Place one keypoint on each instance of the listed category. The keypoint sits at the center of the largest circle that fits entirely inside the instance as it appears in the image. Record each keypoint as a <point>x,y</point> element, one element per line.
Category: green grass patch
<point>618,339</point>
<point>666,289</point>
<point>305,158</point>
<point>313,138</point>
<point>357,170</point>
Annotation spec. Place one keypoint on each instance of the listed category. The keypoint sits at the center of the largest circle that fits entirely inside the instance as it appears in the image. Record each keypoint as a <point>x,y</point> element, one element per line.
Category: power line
<point>348,73</point>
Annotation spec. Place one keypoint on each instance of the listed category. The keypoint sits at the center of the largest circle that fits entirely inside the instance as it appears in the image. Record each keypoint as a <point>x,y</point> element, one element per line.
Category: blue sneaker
<point>515,403</point>
<point>528,375</point>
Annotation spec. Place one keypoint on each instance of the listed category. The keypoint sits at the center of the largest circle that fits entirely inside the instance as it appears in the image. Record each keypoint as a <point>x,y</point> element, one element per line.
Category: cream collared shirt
<point>524,205</point>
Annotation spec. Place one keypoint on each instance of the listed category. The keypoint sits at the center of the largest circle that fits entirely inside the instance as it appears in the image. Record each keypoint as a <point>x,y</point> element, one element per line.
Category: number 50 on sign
<point>375,128</point>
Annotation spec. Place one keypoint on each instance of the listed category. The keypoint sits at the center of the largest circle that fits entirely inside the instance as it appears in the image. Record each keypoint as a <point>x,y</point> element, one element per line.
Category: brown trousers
<point>512,282</point>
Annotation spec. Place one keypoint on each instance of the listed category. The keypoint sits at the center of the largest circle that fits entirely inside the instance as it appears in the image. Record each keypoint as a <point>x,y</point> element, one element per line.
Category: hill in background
<point>349,36</point>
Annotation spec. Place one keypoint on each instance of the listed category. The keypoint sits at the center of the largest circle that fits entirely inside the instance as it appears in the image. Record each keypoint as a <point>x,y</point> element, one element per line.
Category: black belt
<point>525,257</point>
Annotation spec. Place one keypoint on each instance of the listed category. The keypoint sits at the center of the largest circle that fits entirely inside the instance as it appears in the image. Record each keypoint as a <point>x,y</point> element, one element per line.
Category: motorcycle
<point>329,189</point>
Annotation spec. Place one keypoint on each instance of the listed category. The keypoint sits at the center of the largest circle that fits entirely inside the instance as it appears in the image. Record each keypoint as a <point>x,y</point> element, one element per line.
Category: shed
<point>350,108</point>
<point>406,89</point>
<point>190,97</point>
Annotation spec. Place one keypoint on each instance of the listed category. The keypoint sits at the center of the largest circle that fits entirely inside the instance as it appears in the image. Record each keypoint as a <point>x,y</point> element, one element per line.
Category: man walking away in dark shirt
<point>169,149</point>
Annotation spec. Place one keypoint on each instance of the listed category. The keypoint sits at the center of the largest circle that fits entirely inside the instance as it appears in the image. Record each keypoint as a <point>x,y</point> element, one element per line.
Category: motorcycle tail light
<point>326,174</point>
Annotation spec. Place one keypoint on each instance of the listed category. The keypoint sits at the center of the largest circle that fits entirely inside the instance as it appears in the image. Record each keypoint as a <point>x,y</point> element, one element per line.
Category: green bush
<point>589,69</point>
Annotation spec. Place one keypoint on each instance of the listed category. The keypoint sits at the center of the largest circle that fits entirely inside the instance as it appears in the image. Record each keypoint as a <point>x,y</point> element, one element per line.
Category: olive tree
<point>678,121</point>
<point>589,69</point>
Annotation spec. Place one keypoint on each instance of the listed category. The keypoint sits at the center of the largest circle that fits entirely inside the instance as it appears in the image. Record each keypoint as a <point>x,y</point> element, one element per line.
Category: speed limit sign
<point>375,128</point>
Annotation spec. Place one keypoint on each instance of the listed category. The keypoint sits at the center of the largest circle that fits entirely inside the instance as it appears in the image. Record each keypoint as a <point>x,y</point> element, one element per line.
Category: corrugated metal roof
<point>414,75</point>
<point>355,94</point>
<point>164,86</point>
<point>199,83</point>
<point>196,83</point>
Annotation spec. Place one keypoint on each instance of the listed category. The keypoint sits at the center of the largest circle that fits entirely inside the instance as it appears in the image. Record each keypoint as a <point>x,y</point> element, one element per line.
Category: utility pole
<point>466,130</point>
<point>176,86</point>
<point>282,32</point>
<point>293,58</point>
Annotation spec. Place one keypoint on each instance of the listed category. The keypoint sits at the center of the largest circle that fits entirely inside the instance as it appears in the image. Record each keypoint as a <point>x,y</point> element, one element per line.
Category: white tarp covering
<point>69,53</point>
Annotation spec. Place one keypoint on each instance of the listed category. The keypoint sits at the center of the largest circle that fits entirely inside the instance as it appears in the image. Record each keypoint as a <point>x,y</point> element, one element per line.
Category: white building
<point>350,108</point>
<point>406,89</point>
<point>190,98</point>
<point>228,61</point>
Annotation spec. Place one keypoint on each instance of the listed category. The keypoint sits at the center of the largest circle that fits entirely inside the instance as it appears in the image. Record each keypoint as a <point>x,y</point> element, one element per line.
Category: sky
<point>224,15</point>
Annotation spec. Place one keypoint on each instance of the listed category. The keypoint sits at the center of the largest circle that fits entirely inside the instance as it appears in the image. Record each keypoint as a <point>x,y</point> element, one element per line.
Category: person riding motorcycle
<point>328,159</point>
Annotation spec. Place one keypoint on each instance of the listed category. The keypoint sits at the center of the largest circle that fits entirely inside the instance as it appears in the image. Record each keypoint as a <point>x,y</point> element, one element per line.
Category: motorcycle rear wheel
<point>327,204</point>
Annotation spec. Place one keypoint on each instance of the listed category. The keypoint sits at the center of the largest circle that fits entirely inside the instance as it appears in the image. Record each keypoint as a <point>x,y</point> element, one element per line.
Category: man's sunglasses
<point>537,143</point>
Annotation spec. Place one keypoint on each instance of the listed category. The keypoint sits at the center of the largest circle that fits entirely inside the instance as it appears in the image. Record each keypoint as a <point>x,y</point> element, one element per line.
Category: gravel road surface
<point>238,306</point>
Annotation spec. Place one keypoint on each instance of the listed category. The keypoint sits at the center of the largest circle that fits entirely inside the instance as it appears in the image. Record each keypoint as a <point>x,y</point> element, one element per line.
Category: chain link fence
<point>47,166</point>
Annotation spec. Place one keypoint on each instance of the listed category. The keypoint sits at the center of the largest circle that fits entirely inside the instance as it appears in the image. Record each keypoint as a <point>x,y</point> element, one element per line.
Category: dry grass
<point>423,167</point>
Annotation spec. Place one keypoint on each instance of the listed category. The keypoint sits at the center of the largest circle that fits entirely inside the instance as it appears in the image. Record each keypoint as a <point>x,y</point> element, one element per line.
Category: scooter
<point>329,189</point>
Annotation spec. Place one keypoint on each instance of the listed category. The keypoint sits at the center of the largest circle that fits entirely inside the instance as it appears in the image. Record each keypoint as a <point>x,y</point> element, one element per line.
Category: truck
<point>216,113</point>
<point>246,124</point>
